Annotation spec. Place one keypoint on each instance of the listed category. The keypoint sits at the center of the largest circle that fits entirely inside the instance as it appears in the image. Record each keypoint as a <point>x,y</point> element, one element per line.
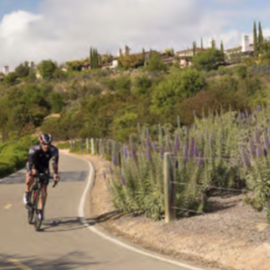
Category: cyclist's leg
<point>29,179</point>
<point>44,189</point>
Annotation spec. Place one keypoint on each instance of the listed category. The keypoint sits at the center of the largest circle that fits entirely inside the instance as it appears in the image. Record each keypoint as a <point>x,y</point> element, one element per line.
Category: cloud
<point>65,29</point>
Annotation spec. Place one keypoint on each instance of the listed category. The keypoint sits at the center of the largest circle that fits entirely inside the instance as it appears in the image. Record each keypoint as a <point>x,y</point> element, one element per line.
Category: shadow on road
<point>74,223</point>
<point>72,260</point>
<point>70,176</point>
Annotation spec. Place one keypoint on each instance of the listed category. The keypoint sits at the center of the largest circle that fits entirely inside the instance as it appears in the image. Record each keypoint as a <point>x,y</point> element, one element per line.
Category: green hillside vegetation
<point>105,103</point>
<point>13,155</point>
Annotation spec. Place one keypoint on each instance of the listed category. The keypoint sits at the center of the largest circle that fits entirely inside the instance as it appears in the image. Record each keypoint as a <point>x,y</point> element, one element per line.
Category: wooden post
<point>92,146</point>
<point>81,145</point>
<point>169,188</point>
<point>87,144</point>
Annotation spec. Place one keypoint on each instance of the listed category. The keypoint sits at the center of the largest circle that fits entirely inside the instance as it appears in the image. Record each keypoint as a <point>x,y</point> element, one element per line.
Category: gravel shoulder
<point>232,237</point>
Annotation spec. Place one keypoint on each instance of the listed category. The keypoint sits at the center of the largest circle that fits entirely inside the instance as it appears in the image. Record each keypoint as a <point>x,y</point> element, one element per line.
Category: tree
<point>47,69</point>
<point>155,63</point>
<point>260,39</point>
<point>56,102</point>
<point>221,47</point>
<point>255,45</point>
<point>22,70</point>
<point>10,78</point>
<point>194,47</point>
<point>94,58</point>
<point>208,59</point>
<point>143,55</point>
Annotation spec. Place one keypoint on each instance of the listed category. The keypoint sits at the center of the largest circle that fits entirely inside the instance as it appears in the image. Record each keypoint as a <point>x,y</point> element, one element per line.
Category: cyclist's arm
<point>32,158</point>
<point>55,161</point>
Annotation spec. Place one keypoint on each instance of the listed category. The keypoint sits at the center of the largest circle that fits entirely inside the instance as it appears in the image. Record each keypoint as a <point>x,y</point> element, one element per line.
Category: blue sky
<point>8,6</point>
<point>65,29</point>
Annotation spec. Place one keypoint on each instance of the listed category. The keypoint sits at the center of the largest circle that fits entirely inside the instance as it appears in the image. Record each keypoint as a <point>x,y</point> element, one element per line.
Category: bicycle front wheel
<point>38,212</point>
<point>31,208</point>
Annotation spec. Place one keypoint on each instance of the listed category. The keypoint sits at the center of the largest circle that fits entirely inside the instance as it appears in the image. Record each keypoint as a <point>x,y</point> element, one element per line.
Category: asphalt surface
<point>63,243</point>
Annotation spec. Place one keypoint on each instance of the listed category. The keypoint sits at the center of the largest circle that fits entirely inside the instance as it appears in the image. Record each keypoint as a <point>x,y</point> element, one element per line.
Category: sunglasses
<point>46,144</point>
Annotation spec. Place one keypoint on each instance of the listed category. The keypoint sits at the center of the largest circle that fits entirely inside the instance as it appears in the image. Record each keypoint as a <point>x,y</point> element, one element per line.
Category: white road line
<point>89,184</point>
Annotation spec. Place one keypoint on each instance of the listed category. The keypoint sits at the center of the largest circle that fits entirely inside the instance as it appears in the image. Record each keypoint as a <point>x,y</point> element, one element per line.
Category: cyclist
<point>38,161</point>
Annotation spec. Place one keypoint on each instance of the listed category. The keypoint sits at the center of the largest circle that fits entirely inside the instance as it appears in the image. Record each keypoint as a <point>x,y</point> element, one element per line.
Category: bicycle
<point>35,192</point>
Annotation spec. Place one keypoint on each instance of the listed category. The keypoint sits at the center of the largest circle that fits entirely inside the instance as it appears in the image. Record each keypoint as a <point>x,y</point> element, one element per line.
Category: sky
<point>64,30</point>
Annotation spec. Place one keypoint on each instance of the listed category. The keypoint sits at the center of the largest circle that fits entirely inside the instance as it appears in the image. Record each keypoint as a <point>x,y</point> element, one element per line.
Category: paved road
<point>64,243</point>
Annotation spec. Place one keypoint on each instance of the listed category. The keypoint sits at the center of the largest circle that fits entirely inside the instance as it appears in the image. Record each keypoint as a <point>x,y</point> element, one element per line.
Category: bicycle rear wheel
<point>39,213</point>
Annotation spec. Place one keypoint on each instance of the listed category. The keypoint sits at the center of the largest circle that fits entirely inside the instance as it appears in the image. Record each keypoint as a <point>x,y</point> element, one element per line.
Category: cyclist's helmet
<point>45,138</point>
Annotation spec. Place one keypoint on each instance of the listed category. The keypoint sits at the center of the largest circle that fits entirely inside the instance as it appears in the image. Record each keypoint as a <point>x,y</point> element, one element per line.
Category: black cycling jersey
<point>39,159</point>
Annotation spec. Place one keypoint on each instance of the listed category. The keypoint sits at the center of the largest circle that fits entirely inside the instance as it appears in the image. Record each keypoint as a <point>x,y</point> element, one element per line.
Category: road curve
<point>64,242</point>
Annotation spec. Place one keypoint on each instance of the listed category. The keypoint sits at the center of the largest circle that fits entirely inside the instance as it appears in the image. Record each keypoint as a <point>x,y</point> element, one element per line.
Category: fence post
<point>169,188</point>
<point>92,146</point>
<point>71,145</point>
<point>87,144</point>
<point>75,145</point>
<point>81,145</point>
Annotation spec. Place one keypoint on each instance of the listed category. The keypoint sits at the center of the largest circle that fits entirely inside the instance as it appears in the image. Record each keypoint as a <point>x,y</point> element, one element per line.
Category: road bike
<point>35,215</point>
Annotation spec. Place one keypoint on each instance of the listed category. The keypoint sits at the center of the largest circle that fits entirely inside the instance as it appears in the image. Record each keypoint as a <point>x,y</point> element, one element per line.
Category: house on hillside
<point>236,54</point>
<point>6,70</point>
<point>186,56</point>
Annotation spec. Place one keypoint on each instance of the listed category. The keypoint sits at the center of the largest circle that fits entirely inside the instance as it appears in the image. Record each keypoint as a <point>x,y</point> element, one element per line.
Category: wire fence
<point>177,177</point>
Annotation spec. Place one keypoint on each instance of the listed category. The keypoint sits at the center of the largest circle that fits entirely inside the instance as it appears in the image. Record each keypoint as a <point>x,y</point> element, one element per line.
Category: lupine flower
<point>111,170</point>
<point>265,152</point>
<point>195,151</point>
<point>125,152</point>
<point>133,153</point>
<point>123,180</point>
<point>155,146</point>
<point>200,161</point>
<point>148,152</point>
<point>114,159</point>
<point>191,147</point>
<point>185,152</point>
<point>257,136</point>
<point>259,151</point>
<point>202,198</point>
<point>104,175</point>
<point>252,148</point>
<point>246,113</point>
<point>176,164</point>
<point>266,141</point>
<point>239,117</point>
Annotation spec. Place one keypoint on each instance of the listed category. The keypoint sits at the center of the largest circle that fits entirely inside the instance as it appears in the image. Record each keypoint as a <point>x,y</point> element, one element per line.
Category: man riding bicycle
<point>39,157</point>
